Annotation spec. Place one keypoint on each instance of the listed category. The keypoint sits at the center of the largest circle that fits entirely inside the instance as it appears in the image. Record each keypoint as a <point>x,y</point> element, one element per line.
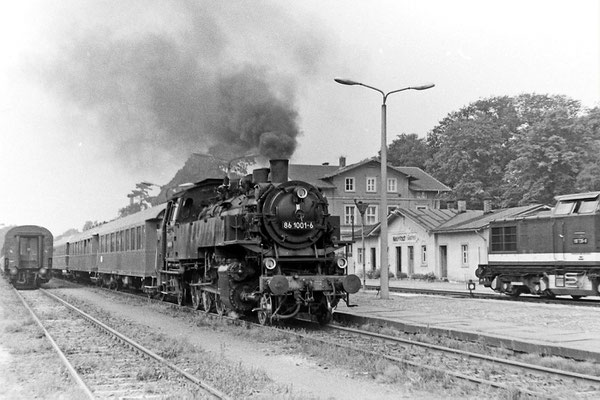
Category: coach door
<point>29,250</point>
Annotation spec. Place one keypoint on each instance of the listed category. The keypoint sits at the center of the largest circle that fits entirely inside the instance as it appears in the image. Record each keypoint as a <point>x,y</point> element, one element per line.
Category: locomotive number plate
<point>298,225</point>
<point>580,241</point>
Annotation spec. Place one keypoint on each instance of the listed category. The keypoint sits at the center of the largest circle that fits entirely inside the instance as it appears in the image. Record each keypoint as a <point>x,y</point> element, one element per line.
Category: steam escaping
<point>191,77</point>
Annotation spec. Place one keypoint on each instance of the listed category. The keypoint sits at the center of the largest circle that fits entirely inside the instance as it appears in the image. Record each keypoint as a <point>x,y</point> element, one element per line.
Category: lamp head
<point>346,81</point>
<point>423,87</point>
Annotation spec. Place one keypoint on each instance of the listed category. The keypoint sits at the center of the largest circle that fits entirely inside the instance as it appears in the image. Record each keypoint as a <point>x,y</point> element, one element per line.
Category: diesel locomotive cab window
<point>504,238</point>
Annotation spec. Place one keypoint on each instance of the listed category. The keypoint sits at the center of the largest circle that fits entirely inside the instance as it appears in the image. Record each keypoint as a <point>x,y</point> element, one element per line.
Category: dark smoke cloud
<point>209,79</point>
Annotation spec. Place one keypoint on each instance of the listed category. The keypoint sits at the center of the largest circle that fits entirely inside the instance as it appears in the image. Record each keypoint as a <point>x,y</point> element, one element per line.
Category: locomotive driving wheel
<point>207,301</point>
<point>266,310</point>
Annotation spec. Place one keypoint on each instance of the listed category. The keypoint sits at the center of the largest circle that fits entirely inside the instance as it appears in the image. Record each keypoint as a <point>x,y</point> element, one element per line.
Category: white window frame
<point>371,184</point>
<point>349,184</point>
<point>349,212</point>
<point>359,256</point>
<point>464,250</point>
<point>392,185</point>
<point>371,215</point>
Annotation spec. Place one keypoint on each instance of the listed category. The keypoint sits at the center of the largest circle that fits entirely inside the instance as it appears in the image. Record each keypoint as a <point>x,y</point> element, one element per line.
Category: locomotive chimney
<point>342,161</point>
<point>279,170</point>
<point>260,175</point>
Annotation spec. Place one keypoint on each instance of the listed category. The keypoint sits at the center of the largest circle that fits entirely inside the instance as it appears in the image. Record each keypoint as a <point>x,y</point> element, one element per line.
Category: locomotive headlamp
<point>301,192</point>
<point>14,271</point>
<point>270,263</point>
<point>342,262</point>
<point>43,272</point>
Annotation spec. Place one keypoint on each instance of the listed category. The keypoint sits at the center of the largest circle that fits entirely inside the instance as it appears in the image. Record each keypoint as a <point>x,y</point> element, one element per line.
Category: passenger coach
<point>26,256</point>
<point>120,253</point>
<point>548,253</point>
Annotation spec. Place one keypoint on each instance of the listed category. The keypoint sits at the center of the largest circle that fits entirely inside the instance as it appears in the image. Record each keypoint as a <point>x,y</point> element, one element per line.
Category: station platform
<point>535,327</point>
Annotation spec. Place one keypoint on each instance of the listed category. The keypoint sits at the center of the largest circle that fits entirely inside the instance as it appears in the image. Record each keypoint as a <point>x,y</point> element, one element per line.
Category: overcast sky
<point>99,95</point>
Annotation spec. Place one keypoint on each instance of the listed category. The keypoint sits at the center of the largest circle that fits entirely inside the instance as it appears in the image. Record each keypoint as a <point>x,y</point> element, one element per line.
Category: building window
<point>421,195</point>
<point>371,215</point>
<point>424,254</point>
<point>504,238</point>
<point>349,185</point>
<point>465,254</point>
<point>349,213</point>
<point>359,256</point>
<point>392,185</point>
<point>371,184</point>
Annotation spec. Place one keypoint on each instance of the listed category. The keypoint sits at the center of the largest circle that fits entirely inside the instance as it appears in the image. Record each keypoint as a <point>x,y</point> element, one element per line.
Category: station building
<point>423,238</point>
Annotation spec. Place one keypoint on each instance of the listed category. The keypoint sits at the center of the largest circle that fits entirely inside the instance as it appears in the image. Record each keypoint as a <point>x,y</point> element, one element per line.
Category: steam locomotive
<point>252,246</point>
<point>262,246</point>
<point>547,253</point>
<point>26,256</point>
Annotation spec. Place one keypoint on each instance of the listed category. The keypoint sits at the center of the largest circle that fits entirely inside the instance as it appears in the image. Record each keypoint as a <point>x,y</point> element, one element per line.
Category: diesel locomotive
<point>547,253</point>
<point>26,257</point>
<point>263,245</point>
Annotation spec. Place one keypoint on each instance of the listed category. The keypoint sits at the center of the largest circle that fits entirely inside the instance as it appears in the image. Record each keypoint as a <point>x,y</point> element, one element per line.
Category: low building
<point>448,243</point>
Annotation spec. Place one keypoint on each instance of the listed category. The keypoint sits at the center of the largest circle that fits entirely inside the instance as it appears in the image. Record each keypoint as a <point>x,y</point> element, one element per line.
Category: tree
<point>550,154</point>
<point>130,209</point>
<point>588,178</point>
<point>408,151</point>
<point>470,148</point>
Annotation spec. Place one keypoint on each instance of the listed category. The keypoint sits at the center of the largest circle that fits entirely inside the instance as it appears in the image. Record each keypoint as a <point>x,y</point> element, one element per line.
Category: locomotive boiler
<point>26,256</point>
<point>262,245</point>
<point>547,253</point>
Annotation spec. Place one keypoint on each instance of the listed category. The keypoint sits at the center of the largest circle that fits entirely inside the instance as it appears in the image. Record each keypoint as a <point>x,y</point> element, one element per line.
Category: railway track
<point>506,374</point>
<point>492,296</point>
<point>104,362</point>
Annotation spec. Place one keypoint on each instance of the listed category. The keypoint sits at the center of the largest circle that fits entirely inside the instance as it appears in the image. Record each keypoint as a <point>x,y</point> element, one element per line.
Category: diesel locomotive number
<point>580,241</point>
<point>294,225</point>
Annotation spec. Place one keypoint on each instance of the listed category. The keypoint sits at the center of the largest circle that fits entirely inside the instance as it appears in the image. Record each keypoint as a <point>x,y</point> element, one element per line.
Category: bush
<point>430,277</point>
<point>375,274</point>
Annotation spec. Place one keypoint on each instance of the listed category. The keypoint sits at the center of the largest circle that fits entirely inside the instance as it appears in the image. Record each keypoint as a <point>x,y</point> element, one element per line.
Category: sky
<point>97,96</point>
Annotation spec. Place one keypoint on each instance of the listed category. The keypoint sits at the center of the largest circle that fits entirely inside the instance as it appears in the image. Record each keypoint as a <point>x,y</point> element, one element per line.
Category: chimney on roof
<point>462,206</point>
<point>342,161</point>
<point>487,205</point>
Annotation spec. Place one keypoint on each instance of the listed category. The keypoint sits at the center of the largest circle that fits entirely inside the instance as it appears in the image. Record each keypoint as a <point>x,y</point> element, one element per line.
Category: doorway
<point>444,261</point>
<point>398,261</point>
<point>411,260</point>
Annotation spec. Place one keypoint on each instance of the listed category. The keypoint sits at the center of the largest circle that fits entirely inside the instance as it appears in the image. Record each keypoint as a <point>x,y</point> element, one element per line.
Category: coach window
<point>112,242</point>
<point>504,238</point>
<point>132,239</point>
<point>139,237</point>
<point>587,206</point>
<point>564,207</point>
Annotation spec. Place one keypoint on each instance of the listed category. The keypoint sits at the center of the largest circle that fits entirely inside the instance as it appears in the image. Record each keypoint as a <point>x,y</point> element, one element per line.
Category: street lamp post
<point>384,278</point>
<point>362,207</point>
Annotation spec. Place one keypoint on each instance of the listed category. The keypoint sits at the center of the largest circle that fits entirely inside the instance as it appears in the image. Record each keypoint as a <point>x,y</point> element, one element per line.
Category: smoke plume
<point>166,79</point>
